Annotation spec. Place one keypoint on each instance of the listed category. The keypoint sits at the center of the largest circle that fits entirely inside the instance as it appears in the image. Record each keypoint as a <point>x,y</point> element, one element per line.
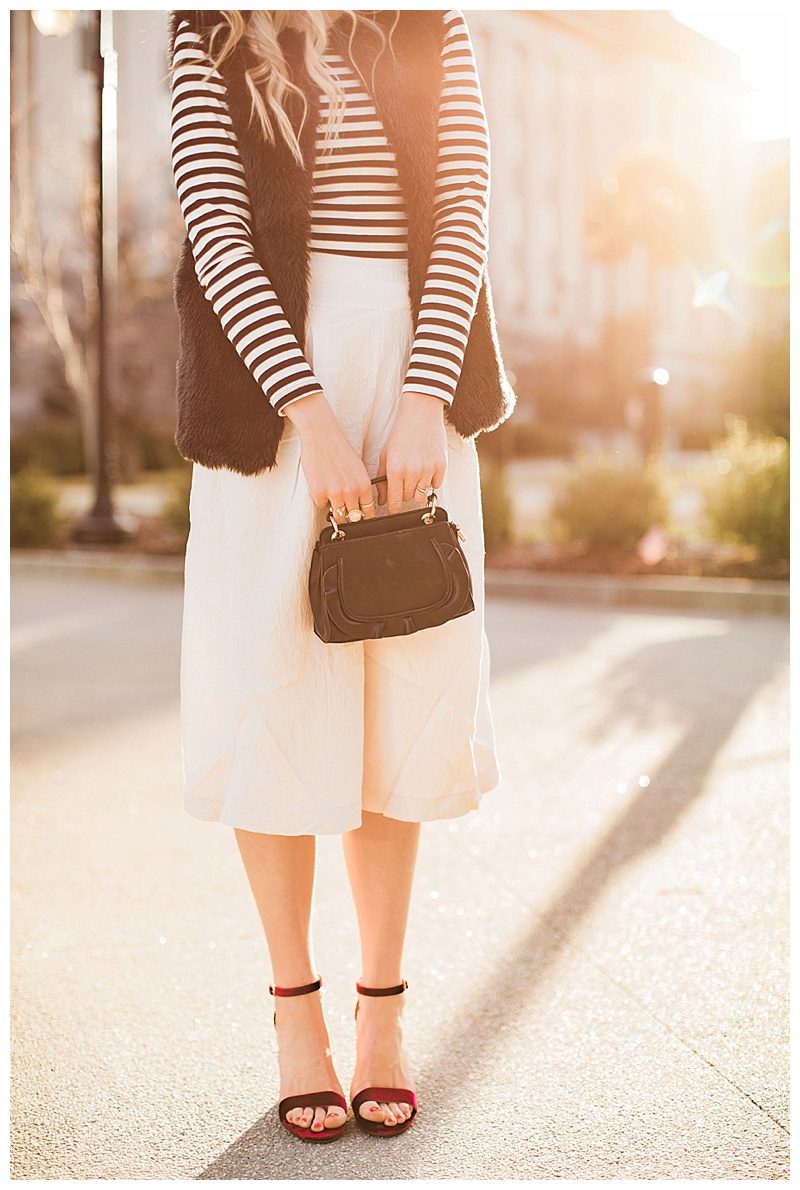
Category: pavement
<point>597,957</point>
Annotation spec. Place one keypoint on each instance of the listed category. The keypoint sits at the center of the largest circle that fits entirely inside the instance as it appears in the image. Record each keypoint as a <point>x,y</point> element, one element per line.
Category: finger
<point>320,499</point>
<point>394,490</point>
<point>439,473</point>
<point>381,488</point>
<point>352,497</point>
<point>420,496</point>
<point>410,480</point>
<point>366,501</point>
<point>339,506</point>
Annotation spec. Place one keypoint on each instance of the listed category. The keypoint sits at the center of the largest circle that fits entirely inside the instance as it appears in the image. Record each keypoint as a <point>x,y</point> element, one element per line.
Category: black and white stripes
<point>357,206</point>
<point>212,192</point>
<point>460,240</point>
<point>357,209</point>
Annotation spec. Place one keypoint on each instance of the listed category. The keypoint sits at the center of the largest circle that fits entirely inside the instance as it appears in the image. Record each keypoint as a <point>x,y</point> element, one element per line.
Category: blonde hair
<point>269,83</point>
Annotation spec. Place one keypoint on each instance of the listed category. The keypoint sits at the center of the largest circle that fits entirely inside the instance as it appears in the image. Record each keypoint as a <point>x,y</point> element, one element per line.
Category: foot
<point>304,1060</point>
<point>381,1057</point>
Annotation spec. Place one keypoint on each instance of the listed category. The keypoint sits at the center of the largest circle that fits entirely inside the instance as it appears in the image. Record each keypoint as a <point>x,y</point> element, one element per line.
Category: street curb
<point>740,595</point>
<point>101,562</point>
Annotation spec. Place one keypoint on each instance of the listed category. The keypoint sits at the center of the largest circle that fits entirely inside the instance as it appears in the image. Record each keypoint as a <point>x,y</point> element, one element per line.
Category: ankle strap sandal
<point>312,1098</point>
<point>384,1094</point>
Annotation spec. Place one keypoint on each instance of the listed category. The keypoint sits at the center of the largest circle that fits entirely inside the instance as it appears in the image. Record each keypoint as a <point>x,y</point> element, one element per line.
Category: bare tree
<point>66,301</point>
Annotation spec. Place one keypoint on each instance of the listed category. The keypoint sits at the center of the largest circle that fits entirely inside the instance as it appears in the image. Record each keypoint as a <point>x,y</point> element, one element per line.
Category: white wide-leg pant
<point>280,732</point>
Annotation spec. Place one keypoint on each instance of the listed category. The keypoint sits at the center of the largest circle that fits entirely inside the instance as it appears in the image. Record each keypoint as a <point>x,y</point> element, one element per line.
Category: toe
<point>335,1117</point>
<point>371,1110</point>
<point>390,1117</point>
<point>306,1117</point>
<point>318,1122</point>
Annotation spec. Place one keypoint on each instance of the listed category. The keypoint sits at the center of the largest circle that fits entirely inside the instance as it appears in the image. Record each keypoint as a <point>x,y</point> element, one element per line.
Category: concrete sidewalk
<point>597,957</point>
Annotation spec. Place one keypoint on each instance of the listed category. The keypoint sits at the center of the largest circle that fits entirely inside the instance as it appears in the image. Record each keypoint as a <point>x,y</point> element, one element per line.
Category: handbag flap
<point>394,573</point>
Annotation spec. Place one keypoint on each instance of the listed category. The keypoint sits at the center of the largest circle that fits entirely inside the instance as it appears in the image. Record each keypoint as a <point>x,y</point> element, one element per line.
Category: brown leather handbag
<point>389,575</point>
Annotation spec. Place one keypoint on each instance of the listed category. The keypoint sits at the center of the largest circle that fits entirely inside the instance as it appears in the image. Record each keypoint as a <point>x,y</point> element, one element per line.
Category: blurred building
<point>571,97</point>
<point>587,90</point>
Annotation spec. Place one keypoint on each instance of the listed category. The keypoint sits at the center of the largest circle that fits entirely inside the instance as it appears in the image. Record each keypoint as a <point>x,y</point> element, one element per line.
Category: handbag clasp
<point>337,532</point>
<point>429,516</point>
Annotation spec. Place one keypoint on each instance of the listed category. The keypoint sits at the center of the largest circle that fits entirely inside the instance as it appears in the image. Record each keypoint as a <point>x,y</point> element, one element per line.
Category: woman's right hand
<point>334,470</point>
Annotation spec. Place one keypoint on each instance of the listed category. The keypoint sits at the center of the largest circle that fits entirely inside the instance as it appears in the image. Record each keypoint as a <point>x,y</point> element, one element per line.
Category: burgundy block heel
<point>312,1098</point>
<point>384,1094</point>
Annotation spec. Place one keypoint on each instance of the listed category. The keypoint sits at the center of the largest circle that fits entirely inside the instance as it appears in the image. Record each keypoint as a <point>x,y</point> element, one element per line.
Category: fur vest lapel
<point>224,418</point>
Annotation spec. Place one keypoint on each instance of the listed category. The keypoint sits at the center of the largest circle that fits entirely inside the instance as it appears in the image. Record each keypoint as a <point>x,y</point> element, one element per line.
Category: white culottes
<point>280,732</point>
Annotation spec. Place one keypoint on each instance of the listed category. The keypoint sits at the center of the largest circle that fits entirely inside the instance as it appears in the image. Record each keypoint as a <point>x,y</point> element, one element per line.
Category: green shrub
<point>603,503</point>
<point>156,449</point>
<point>176,510</point>
<point>496,504</point>
<point>747,501</point>
<point>35,519</point>
<point>55,449</point>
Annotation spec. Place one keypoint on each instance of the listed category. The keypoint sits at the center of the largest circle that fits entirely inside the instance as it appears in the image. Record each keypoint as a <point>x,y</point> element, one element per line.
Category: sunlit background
<point>760,38</point>
<point>639,245</point>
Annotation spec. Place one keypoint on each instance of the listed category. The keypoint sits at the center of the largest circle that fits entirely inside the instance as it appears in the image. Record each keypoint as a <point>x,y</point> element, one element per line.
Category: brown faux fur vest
<point>224,418</point>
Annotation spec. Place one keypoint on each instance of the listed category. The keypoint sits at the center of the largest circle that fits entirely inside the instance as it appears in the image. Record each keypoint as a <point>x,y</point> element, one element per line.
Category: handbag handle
<point>428,513</point>
<point>383,479</point>
<point>380,479</point>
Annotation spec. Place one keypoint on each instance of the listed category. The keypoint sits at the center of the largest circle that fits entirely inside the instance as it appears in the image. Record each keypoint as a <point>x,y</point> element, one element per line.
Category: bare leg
<point>381,857</point>
<point>281,870</point>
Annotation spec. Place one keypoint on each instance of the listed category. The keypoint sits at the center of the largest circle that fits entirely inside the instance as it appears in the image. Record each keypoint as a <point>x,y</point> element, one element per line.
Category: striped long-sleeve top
<point>357,209</point>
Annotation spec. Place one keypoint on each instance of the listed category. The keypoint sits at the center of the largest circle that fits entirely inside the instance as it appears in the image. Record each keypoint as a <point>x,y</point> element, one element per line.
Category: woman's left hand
<point>415,451</point>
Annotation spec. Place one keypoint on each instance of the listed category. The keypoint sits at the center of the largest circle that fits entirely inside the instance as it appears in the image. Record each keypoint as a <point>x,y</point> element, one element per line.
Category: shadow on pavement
<point>648,688</point>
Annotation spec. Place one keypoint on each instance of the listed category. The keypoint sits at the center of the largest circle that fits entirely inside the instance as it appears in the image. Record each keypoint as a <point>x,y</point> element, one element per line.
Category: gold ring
<point>355,514</point>
<point>425,491</point>
<point>370,505</point>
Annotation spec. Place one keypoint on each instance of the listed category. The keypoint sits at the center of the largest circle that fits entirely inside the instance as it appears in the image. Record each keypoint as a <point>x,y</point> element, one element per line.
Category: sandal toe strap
<point>385,1095</point>
<point>311,1099</point>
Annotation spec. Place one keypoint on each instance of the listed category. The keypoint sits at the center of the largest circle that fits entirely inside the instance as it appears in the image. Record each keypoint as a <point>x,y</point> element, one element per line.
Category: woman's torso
<point>357,204</point>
